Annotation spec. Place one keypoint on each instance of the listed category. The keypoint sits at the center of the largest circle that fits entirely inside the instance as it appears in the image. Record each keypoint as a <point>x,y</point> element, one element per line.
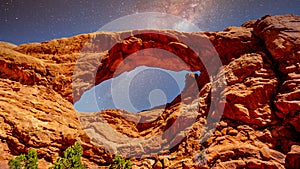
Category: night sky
<point>42,20</point>
<point>140,89</point>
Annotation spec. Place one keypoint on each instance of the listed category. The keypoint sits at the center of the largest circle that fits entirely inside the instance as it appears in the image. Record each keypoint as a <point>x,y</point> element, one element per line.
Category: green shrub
<point>71,159</point>
<point>120,163</point>
<point>24,162</point>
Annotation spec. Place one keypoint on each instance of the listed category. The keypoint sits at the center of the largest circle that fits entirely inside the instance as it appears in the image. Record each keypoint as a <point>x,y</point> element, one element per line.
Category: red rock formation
<point>260,122</point>
<point>292,157</point>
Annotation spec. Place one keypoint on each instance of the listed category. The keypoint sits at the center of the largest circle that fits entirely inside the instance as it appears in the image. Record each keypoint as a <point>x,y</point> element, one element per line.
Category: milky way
<point>31,20</point>
<point>191,10</point>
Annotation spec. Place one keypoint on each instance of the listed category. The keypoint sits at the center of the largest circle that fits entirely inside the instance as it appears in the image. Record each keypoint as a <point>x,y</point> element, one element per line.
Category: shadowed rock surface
<point>259,127</point>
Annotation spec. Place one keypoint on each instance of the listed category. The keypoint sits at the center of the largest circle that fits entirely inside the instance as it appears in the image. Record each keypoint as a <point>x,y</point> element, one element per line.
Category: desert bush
<point>120,163</point>
<point>23,161</point>
<point>71,158</point>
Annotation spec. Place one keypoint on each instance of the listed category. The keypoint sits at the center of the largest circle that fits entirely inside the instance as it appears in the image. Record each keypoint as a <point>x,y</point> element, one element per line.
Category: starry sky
<point>42,20</point>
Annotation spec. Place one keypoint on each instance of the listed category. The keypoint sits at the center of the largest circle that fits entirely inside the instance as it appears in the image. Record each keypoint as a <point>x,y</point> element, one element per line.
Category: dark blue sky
<point>41,20</point>
<point>140,89</point>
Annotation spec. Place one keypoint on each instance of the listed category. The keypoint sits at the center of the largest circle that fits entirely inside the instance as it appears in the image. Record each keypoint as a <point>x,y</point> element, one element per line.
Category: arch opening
<point>145,87</point>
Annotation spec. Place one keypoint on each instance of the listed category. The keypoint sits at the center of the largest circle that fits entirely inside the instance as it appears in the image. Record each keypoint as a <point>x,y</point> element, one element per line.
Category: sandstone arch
<point>192,53</point>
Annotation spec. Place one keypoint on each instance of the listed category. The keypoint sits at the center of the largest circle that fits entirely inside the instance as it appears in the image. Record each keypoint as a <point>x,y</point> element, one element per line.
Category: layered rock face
<point>258,103</point>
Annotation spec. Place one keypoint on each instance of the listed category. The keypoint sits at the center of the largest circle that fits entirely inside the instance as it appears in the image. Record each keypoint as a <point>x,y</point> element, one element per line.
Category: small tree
<point>71,159</point>
<point>119,163</point>
<point>24,162</point>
